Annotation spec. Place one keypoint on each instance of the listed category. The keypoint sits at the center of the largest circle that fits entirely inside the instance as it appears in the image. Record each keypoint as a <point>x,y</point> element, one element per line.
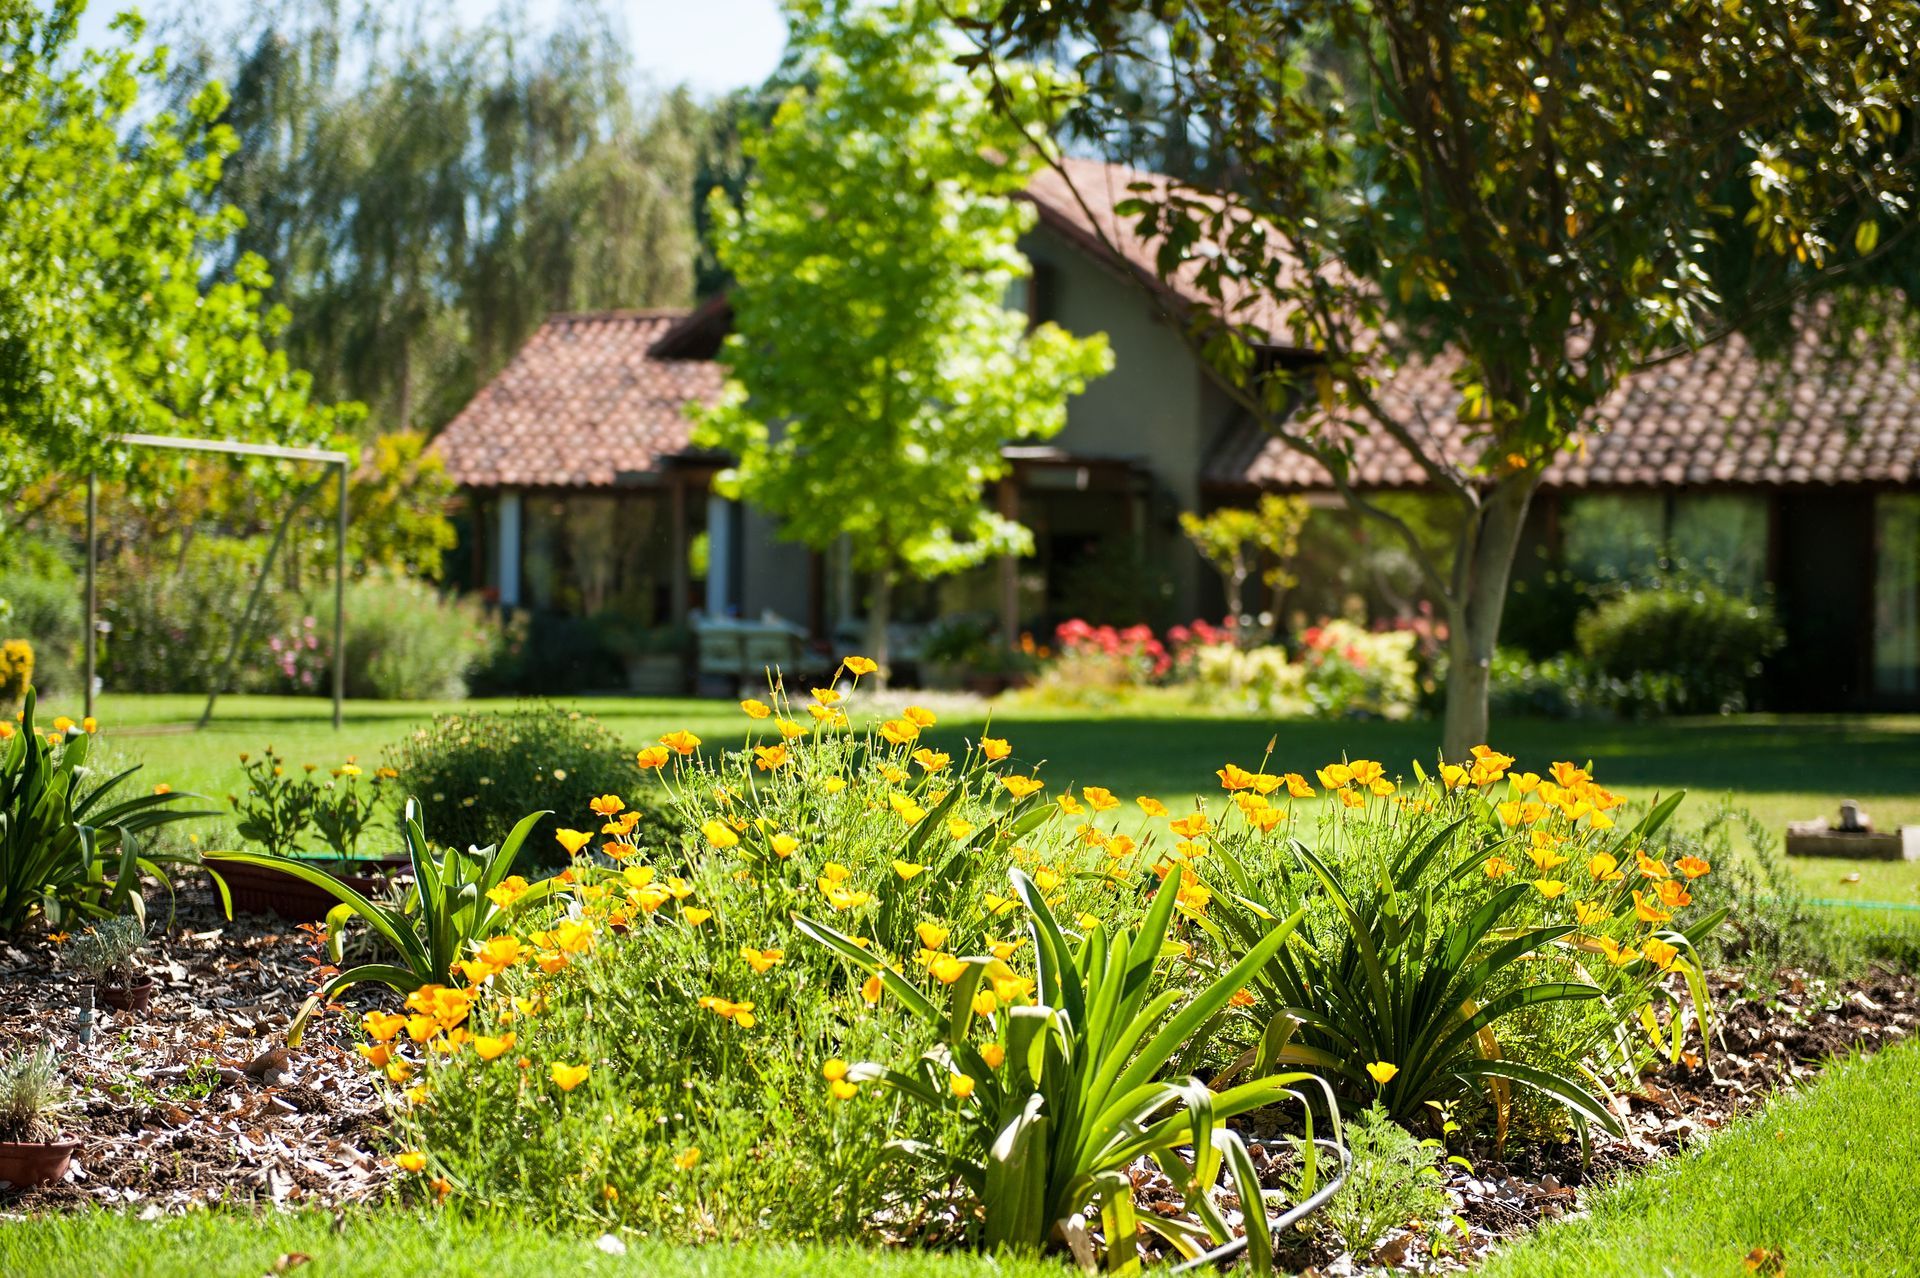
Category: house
<point>585,495</point>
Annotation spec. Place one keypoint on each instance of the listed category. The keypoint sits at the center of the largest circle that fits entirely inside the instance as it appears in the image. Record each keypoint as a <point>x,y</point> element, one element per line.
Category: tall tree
<point>106,220</point>
<point>427,191</point>
<point>1555,194</point>
<point>875,370</point>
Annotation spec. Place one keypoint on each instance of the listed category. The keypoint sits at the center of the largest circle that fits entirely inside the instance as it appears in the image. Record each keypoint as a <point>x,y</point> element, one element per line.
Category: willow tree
<point>875,370</point>
<point>1549,195</point>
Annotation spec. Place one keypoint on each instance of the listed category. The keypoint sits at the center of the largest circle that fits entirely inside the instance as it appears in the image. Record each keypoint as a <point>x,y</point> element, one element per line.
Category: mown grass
<point>1822,1182</point>
<point>235,1244</point>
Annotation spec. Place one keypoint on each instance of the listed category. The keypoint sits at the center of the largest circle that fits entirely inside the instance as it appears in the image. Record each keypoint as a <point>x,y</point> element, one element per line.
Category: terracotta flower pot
<point>258,890</point>
<point>24,1164</point>
<point>134,996</point>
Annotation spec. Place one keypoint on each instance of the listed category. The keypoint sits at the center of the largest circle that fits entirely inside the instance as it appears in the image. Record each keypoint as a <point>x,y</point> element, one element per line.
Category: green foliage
<point>1427,973</point>
<point>408,642</point>
<point>173,620</point>
<point>282,810</point>
<point>456,902</point>
<point>32,1097</point>
<point>475,774</point>
<point>1706,646</point>
<point>1234,539</point>
<point>1544,192</point>
<point>1393,1179</point>
<point>105,950</point>
<point>105,325</point>
<point>875,370</point>
<point>1084,1095</point>
<point>398,502</point>
<point>66,848</point>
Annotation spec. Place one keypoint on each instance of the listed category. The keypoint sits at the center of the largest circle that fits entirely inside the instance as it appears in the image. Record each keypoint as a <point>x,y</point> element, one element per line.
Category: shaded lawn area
<point>1780,767</point>
<point>233,1244</point>
<point>1823,1180</point>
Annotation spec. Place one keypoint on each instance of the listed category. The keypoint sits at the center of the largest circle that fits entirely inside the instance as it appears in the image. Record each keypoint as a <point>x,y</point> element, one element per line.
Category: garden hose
<point>1275,1227</point>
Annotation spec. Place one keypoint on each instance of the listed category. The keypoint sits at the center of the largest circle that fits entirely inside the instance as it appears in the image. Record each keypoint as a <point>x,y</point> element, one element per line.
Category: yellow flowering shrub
<point>664,1001</point>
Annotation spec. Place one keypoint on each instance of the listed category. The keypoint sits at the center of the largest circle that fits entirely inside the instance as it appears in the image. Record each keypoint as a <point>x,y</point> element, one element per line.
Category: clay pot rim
<point>141,982</point>
<point>69,1144</point>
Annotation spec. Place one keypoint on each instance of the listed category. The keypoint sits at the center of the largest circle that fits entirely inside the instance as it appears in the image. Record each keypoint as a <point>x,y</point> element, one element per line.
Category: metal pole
<point>340,604</point>
<point>93,503</point>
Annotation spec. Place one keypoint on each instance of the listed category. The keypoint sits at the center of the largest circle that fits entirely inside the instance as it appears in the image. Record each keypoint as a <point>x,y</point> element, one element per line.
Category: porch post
<point>719,555</point>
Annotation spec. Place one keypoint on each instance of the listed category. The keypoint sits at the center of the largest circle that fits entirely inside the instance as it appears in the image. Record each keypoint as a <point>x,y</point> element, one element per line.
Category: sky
<point>710,45</point>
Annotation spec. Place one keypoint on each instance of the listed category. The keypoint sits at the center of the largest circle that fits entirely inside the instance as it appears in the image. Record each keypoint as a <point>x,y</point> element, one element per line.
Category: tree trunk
<point>879,610</point>
<point>1473,613</point>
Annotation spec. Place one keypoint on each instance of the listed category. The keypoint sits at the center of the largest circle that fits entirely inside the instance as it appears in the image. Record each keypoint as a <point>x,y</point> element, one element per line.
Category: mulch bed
<point>188,1104</point>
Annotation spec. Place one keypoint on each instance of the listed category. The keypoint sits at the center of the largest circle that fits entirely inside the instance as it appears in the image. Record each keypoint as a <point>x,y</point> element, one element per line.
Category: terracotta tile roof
<point>1079,204</point>
<point>583,402</point>
<point>1719,416</point>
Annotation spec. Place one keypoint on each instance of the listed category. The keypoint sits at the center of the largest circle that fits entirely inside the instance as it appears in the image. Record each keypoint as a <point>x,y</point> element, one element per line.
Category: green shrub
<point>1708,646</point>
<point>1394,1178</point>
<point>476,774</point>
<point>408,642</point>
<point>42,601</point>
<point>172,624</point>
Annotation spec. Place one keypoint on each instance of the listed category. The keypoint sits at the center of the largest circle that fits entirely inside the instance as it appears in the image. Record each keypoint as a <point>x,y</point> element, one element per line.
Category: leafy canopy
<point>105,323</point>
<point>875,367</point>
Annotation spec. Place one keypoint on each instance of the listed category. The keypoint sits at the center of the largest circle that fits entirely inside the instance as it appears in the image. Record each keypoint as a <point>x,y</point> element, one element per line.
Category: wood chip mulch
<point>195,1101</point>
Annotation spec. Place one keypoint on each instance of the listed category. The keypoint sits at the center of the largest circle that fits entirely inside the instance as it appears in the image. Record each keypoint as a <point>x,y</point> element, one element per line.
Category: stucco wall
<point>1156,406</point>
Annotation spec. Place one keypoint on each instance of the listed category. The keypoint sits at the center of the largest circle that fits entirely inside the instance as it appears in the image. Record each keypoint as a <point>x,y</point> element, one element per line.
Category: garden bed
<point>181,1106</point>
<point>173,1118</point>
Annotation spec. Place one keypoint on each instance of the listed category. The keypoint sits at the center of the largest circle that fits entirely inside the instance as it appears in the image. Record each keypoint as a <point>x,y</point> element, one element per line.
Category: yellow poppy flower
<point>1366,771</point>
<point>410,1160</point>
<point>1659,952</point>
<point>995,748</point>
<point>1549,888</point>
<point>1334,775</point>
<point>1021,787</point>
<point>686,1160</point>
<point>961,1085</point>
<point>783,845</point>
<point>993,1054</point>
<point>1151,806</point>
<point>958,828</point>
<point>920,716</point>
<point>652,757</point>
<point>681,742</point>
<point>841,1089</point>
<point>857,666</point>
<point>1234,777</point>
<point>932,760</point>
<point>946,968</point>
<point>756,709</point>
<point>573,840</point>
<point>1382,1072</point>
<point>1589,913</point>
<point>1692,866</point>
<point>790,730</point>
<point>932,935</point>
<point>487,1046</point>
<point>769,757</point>
<point>907,869</point>
<point>695,916</point>
<point>1498,867</point>
<point>607,805</point>
<point>872,988</point>
<point>567,1077</point>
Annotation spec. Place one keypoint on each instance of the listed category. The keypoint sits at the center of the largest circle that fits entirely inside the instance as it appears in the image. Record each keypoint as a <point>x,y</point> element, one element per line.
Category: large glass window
<point>1638,537</point>
<point>1722,537</point>
<point>1614,536</point>
<point>586,554</point>
<point>1896,595</point>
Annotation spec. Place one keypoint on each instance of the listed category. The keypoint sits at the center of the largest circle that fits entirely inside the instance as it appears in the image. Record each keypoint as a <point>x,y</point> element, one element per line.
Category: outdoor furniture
<point>742,652</point>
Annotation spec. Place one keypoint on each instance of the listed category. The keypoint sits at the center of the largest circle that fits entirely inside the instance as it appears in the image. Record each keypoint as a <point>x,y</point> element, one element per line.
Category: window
<point>1639,537</point>
<point>1615,536</point>
<point>1896,595</point>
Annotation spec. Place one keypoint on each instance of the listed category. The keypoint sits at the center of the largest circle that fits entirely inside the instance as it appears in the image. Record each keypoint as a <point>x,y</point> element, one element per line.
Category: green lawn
<point>1781,768</point>
<point>226,1244</point>
<point>1824,1180</point>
